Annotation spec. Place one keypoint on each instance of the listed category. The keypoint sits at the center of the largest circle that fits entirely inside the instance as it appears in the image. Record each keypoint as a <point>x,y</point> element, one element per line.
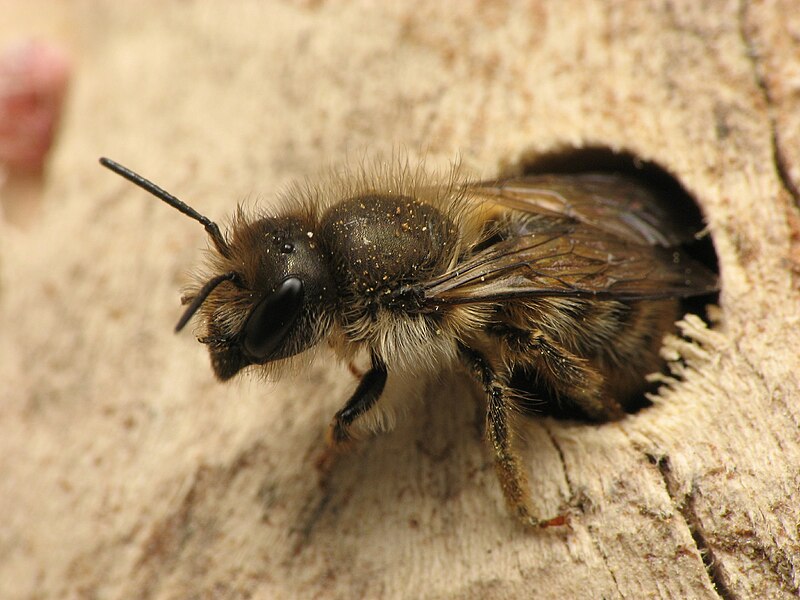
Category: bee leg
<point>512,478</point>
<point>572,379</point>
<point>367,393</point>
<point>354,370</point>
<point>363,399</point>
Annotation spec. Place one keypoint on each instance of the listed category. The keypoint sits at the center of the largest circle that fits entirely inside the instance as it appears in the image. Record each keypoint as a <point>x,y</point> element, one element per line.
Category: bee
<point>552,291</point>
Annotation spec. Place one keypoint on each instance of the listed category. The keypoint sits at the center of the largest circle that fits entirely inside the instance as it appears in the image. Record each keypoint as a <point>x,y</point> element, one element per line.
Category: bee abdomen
<point>633,351</point>
<point>616,342</point>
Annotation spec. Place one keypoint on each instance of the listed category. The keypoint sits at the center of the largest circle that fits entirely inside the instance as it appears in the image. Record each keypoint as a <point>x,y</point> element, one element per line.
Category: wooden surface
<point>128,472</point>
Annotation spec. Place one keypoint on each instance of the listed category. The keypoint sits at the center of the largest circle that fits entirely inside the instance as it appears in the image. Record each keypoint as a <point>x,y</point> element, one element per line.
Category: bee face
<point>556,285</point>
<point>276,300</point>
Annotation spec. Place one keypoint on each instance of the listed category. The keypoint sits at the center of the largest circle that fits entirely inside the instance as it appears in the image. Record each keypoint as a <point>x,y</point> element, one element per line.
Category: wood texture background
<point>126,471</point>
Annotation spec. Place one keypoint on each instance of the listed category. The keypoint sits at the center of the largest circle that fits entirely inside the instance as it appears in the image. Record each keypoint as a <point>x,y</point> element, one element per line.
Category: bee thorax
<point>382,242</point>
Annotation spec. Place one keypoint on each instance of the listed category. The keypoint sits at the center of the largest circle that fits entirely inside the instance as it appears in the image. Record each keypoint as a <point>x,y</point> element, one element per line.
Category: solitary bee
<point>554,290</point>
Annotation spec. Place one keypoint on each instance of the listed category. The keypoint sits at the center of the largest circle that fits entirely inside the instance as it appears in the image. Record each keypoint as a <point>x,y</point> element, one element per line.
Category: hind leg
<point>572,381</point>
<point>512,477</point>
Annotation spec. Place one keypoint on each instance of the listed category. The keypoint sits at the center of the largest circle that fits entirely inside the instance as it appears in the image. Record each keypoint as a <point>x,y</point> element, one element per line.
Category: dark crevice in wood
<point>310,516</point>
<point>782,167</point>
<point>686,507</point>
<point>778,157</point>
<point>598,547</point>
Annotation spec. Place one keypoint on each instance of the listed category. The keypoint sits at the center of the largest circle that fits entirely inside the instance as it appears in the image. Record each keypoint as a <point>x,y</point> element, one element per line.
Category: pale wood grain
<point>128,472</point>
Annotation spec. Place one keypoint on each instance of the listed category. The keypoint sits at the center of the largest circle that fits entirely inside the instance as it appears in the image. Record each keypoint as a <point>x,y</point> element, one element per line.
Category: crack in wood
<point>778,156</point>
<point>781,165</point>
<point>312,514</point>
<point>599,548</point>
<point>560,452</point>
<point>579,500</point>
<point>686,507</point>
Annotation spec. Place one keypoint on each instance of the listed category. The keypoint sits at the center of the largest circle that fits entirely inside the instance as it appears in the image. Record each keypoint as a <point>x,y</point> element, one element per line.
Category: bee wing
<point>575,260</point>
<point>597,235</point>
<point>612,203</point>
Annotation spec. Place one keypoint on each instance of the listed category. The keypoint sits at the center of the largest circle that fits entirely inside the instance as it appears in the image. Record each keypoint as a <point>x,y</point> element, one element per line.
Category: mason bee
<point>552,291</point>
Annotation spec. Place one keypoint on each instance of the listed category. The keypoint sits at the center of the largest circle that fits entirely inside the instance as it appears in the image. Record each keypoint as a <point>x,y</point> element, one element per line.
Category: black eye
<point>287,248</point>
<point>272,318</point>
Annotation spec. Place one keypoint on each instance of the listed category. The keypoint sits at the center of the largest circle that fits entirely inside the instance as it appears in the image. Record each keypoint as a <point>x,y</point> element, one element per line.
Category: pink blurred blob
<point>33,82</point>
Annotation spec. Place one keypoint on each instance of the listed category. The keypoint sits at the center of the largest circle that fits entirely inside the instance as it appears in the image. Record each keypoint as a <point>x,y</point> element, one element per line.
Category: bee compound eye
<point>272,318</point>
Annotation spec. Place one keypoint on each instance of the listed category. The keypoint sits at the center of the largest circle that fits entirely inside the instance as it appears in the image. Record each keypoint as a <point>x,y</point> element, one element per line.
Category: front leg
<point>512,477</point>
<point>363,399</point>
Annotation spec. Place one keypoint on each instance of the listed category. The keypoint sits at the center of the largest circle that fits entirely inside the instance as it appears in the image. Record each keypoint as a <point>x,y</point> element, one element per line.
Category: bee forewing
<point>579,262</point>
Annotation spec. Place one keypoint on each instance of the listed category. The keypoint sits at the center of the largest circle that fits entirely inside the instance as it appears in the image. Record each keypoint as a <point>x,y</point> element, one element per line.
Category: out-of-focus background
<point>127,471</point>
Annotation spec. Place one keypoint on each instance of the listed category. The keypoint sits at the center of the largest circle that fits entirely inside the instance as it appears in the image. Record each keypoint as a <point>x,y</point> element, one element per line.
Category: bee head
<point>272,299</point>
<point>272,295</point>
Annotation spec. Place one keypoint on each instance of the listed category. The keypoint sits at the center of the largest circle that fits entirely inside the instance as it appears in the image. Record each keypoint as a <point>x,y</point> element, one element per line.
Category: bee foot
<point>557,521</point>
<point>354,370</point>
<point>325,463</point>
<point>532,522</point>
<point>329,457</point>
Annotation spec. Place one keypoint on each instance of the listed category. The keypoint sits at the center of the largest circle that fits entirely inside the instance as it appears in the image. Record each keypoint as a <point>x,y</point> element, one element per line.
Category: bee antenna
<point>147,185</point>
<point>201,296</point>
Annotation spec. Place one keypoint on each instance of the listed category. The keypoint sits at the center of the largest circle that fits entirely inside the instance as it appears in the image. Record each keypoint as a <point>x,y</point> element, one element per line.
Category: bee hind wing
<point>616,204</point>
